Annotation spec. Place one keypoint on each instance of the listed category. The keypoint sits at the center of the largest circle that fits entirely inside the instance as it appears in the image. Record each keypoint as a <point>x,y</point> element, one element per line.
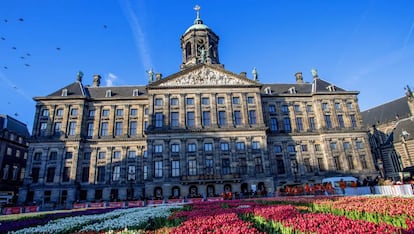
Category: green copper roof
<point>196,27</point>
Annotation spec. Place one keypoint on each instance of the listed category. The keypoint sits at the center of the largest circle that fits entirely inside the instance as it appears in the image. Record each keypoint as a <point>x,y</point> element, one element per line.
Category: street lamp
<point>294,164</point>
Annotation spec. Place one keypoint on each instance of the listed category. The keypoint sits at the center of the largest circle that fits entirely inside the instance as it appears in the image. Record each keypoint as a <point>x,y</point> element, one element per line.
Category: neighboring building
<point>391,128</point>
<point>13,153</point>
<point>198,132</point>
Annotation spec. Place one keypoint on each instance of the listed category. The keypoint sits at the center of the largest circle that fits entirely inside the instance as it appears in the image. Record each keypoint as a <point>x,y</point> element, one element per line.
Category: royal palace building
<point>196,133</point>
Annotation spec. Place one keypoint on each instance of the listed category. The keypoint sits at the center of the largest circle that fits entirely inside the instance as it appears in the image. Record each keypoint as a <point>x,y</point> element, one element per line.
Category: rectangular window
<point>118,128</point>
<point>350,106</point>
<point>133,112</point>
<point>308,166</point>
<point>341,121</point>
<point>337,163</point>
<point>240,146</point>
<point>174,102</point>
<point>318,147</point>
<point>133,128</point>
<point>66,174</point>
<point>91,113</point>
<point>280,166</point>
<point>72,128</point>
<point>337,106</point>
<point>101,174</point>
<point>224,146</point>
<point>258,165</point>
<point>35,174</point>
<point>59,112</point>
<point>206,119</point>
<point>328,123</point>
<point>291,148</point>
<point>325,106</point>
<point>236,100</point>
<point>287,126</point>
<point>273,124</point>
<point>87,156</point>
<point>192,167</point>
<point>309,108</point>
<point>272,109</point>
<point>175,148</point>
<point>278,149</point>
<point>237,118</point>
<point>205,101</point>
<point>57,128</point>
<point>131,173</point>
<point>158,102</point>
<point>116,173</point>
<point>191,147</point>
<point>117,154</point>
<point>90,128</point>
<point>363,162</point>
<point>333,146</point>
<point>190,119</point>
<point>47,195</point>
<point>175,168</point>
<point>225,165</point>
<point>144,154</point>
<point>158,169</point>
<point>321,164</point>
<point>209,167</point>
<point>68,155</point>
<point>119,112</point>
<point>252,117</point>
<point>222,118</point>
<point>220,100</point>
<point>145,172</point>
<point>190,101</point>
<point>158,120</point>
<point>285,109</point>
<point>53,155</point>
<point>37,156</point>
<point>250,100</point>
<point>304,148</point>
<point>347,146</point>
<point>208,147</point>
<point>299,124</point>
<point>359,145</point>
<point>296,108</point>
<point>50,174</point>
<point>43,127</point>
<point>350,162</point>
<point>145,125</point>
<point>104,129</point>
<point>242,166</point>
<point>158,149</point>
<point>131,154</point>
<point>105,113</point>
<point>74,112</point>
<point>311,121</point>
<point>353,121</point>
<point>85,174</point>
<point>146,111</point>
<point>255,145</point>
<point>174,119</point>
<point>101,155</point>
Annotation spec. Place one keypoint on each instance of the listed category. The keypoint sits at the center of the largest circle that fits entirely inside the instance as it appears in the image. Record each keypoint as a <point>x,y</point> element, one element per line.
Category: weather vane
<point>197,8</point>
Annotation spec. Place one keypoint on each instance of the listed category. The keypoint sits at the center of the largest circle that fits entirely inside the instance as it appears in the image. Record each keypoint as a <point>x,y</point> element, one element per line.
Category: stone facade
<point>13,153</point>
<point>197,133</point>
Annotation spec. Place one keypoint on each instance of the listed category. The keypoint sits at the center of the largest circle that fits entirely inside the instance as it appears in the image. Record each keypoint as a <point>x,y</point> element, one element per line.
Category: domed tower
<point>199,44</point>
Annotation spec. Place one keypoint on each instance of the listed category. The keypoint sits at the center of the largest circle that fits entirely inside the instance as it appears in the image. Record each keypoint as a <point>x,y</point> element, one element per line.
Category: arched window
<point>188,50</point>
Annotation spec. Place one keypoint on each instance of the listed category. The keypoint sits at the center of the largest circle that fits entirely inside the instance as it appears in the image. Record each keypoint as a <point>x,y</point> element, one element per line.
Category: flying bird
<point>16,114</point>
<point>57,48</point>
<point>5,67</point>
<point>105,26</point>
<point>14,48</point>
<point>21,19</point>
<point>22,57</point>
<point>27,65</point>
<point>28,54</point>
<point>3,38</point>
<point>5,21</point>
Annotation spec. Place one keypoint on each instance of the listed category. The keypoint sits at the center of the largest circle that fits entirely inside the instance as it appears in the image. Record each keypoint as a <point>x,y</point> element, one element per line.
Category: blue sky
<point>367,46</point>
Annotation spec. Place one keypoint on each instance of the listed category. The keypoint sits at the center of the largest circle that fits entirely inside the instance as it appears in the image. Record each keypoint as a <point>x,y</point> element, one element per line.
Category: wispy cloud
<point>18,90</point>
<point>110,78</point>
<point>139,34</point>
<point>407,39</point>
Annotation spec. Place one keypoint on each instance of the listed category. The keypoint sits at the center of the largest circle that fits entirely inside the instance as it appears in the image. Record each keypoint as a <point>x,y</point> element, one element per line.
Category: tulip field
<point>267,215</point>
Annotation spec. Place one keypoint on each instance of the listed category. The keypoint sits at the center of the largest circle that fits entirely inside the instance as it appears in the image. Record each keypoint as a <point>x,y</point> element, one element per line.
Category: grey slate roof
<point>317,86</point>
<point>13,125</point>
<point>406,125</point>
<point>386,112</point>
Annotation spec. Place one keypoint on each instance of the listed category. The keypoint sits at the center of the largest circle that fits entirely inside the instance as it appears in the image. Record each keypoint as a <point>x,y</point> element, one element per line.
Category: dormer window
<point>268,90</point>
<point>331,88</point>
<point>292,90</point>
<point>108,93</point>
<point>135,92</point>
<point>64,92</point>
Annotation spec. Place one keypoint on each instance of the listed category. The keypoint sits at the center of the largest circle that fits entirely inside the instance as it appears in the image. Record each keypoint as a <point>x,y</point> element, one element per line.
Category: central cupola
<point>199,44</point>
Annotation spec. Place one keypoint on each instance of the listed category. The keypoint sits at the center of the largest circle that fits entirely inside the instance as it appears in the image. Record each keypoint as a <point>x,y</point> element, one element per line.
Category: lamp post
<point>294,164</point>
